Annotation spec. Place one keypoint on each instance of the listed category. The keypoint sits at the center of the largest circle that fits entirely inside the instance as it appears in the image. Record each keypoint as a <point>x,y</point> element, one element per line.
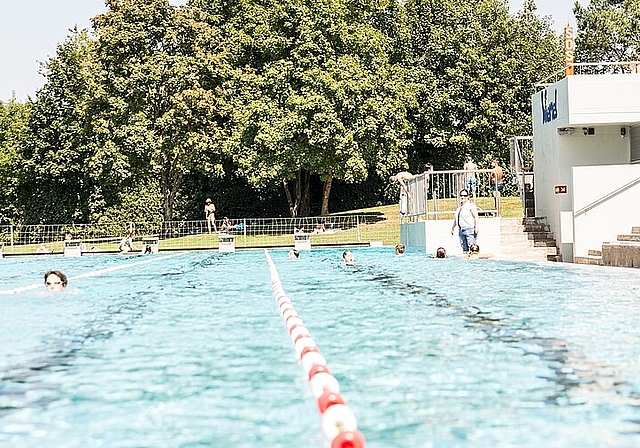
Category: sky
<point>32,29</point>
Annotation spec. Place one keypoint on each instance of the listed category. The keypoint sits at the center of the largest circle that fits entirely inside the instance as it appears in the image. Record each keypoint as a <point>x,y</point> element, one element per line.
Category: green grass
<point>386,229</point>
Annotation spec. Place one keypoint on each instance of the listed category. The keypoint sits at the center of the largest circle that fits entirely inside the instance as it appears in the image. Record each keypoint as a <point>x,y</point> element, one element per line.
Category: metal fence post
<point>244,231</point>
<point>358,227</point>
<point>11,238</point>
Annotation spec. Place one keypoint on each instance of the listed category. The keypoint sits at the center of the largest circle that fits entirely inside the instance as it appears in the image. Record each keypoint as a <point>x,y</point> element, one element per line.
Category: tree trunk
<point>299,201</point>
<point>293,207</point>
<point>326,191</point>
<point>305,181</point>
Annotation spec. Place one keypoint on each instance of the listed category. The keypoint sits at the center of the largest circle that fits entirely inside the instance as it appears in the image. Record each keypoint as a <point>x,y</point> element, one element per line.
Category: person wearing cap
<point>209,215</point>
<point>466,219</point>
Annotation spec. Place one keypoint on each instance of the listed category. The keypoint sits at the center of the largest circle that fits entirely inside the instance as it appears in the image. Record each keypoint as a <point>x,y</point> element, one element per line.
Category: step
<point>635,230</point>
<point>595,253</point>
<point>555,258</point>
<point>629,237</point>
<point>545,243</point>
<point>536,227</point>
<point>540,236</point>
<point>534,220</point>
<point>589,259</point>
<point>621,253</point>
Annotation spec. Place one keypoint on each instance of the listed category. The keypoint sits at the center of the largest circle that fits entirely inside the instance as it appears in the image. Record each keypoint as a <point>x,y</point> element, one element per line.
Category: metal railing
<point>592,68</point>
<point>194,235</point>
<point>434,194</point>
<point>522,165</point>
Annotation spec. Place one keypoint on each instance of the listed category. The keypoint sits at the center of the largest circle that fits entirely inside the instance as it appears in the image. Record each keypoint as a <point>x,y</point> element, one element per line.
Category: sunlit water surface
<point>190,350</point>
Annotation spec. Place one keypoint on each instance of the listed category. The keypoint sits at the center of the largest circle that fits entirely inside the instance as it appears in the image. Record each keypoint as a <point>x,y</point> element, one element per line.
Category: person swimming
<point>348,258</point>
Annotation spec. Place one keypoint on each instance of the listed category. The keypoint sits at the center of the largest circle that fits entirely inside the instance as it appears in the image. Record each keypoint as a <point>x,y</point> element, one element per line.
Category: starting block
<point>227,243</point>
<point>302,242</point>
<point>150,245</point>
<point>72,248</point>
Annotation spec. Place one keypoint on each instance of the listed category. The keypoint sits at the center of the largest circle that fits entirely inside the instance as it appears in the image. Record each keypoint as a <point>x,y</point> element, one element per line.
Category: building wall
<point>605,204</point>
<point>562,115</point>
<point>429,235</point>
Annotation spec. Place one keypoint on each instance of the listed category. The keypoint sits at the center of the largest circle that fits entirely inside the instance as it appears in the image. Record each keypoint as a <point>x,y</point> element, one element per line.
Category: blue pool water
<point>190,350</point>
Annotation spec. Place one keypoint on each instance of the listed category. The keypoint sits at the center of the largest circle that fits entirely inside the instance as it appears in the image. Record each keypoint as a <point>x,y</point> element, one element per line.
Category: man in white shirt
<point>466,218</point>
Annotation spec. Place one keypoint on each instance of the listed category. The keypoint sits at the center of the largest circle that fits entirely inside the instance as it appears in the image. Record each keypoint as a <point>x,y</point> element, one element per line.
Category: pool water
<point>190,350</point>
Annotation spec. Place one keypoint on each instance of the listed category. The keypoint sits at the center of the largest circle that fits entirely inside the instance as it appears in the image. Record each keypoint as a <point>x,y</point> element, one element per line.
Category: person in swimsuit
<point>126,245</point>
<point>209,215</point>
<point>470,176</point>
<point>496,177</point>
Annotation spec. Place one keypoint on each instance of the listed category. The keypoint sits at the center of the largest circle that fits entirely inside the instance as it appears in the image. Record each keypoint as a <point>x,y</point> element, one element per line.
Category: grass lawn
<point>387,230</point>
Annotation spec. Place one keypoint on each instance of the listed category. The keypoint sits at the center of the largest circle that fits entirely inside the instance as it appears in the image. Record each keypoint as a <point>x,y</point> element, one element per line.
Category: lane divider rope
<point>339,423</point>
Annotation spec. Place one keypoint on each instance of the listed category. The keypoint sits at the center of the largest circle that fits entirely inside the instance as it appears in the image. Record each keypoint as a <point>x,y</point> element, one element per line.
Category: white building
<point>586,140</point>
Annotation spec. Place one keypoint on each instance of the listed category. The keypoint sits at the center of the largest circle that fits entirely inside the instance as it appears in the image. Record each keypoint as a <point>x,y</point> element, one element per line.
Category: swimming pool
<point>190,350</point>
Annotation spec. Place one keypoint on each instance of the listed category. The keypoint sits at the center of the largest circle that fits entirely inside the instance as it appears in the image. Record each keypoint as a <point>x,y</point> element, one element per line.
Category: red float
<point>349,439</point>
<point>329,398</point>
<point>317,368</point>
<point>307,350</point>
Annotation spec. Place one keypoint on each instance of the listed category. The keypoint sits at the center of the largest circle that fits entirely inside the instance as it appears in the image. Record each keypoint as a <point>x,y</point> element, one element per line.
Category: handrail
<point>634,67</point>
<point>606,197</point>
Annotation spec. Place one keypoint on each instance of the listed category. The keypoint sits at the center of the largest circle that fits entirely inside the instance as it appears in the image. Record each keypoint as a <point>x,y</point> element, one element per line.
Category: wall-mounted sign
<point>549,107</point>
<point>560,189</point>
<point>569,50</point>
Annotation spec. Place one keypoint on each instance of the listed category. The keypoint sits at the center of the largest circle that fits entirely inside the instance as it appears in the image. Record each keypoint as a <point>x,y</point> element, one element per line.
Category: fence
<point>338,230</point>
<point>433,194</point>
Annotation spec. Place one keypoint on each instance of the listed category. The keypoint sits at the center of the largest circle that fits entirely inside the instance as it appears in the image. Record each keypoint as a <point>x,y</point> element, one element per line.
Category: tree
<point>59,152</point>
<point>159,100</point>
<point>477,67</point>
<point>14,118</point>
<point>317,95</point>
<point>608,31</point>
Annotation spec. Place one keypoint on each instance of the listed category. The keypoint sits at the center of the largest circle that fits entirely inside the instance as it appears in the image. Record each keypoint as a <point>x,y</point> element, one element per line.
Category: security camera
<point>585,131</point>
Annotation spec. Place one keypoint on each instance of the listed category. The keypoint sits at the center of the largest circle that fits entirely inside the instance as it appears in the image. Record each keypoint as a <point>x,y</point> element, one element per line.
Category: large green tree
<point>317,95</point>
<point>159,102</point>
<point>60,179</point>
<point>608,31</point>
<point>477,66</point>
<point>14,118</point>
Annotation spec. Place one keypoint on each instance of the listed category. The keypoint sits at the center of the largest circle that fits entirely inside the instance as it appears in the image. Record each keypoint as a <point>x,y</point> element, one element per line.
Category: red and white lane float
<point>339,422</point>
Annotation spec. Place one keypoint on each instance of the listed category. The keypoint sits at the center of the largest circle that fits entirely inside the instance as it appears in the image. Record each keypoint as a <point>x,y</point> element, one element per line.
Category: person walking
<point>466,219</point>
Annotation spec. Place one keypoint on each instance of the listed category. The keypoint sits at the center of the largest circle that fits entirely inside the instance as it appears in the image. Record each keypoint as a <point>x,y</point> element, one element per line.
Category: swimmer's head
<point>441,252</point>
<point>55,281</point>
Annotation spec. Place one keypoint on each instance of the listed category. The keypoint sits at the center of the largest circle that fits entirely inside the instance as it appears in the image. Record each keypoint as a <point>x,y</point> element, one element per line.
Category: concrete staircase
<point>527,239</point>
<point>624,252</point>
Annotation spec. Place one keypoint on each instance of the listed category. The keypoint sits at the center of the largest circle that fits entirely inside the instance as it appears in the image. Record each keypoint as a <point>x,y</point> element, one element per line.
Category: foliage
<point>158,104</point>
<point>162,107</point>
<point>59,151</point>
<point>318,94</point>
<point>477,67</point>
<point>608,31</point>
<point>14,118</point>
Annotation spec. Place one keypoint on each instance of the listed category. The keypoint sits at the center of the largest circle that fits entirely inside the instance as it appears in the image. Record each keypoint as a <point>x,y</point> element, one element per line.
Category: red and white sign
<point>560,189</point>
